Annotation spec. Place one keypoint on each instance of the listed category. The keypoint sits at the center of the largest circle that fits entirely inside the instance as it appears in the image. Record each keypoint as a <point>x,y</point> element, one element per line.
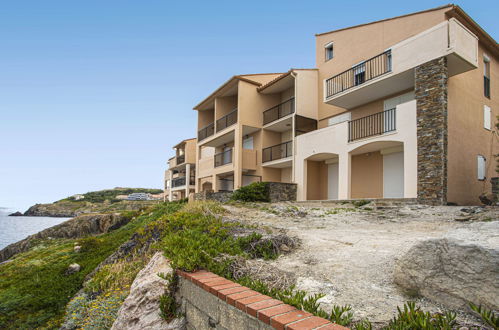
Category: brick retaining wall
<point>213,302</point>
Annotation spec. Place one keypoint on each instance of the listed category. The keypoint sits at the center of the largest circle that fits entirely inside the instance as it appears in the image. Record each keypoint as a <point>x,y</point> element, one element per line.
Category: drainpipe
<point>293,74</point>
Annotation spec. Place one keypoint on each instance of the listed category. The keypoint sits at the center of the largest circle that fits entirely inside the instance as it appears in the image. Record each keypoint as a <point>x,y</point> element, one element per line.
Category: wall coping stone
<point>266,309</point>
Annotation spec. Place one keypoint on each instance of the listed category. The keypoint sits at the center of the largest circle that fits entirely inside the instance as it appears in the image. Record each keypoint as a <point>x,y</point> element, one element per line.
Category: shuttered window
<point>486,117</point>
<point>481,167</point>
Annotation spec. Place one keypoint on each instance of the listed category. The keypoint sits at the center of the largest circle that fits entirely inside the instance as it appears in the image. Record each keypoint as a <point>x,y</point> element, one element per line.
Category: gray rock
<point>77,248</point>
<point>454,270</point>
<point>140,309</point>
<point>73,268</point>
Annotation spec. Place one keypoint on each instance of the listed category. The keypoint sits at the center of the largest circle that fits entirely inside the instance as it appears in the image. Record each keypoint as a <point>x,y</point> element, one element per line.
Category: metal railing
<point>227,120</point>
<point>180,181</point>
<point>279,151</point>
<point>180,159</point>
<point>375,124</point>
<point>206,131</point>
<point>279,111</point>
<point>359,74</point>
<point>486,86</point>
<point>223,158</point>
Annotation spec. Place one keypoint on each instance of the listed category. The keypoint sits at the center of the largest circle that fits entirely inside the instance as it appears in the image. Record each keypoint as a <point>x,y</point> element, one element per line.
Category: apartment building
<point>180,176</point>
<point>399,108</point>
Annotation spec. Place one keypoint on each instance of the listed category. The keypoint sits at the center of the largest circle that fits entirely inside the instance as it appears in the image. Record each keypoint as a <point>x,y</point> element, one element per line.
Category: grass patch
<point>33,288</point>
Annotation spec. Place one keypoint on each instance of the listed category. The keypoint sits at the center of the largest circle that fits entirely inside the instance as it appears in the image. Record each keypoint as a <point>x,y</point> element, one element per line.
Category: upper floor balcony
<point>279,111</point>
<point>227,120</point>
<point>181,182</point>
<point>206,132</point>
<point>392,71</point>
<point>223,158</point>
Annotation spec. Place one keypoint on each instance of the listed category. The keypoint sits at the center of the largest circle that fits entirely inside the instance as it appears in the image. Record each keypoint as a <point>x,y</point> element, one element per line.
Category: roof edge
<point>282,76</point>
<point>386,19</point>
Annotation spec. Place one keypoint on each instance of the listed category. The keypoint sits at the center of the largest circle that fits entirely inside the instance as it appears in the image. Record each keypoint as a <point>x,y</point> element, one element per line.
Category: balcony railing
<point>375,124</point>
<point>180,181</point>
<point>180,159</point>
<point>279,151</point>
<point>359,74</point>
<point>227,120</point>
<point>206,131</point>
<point>223,158</point>
<point>486,86</point>
<point>279,111</point>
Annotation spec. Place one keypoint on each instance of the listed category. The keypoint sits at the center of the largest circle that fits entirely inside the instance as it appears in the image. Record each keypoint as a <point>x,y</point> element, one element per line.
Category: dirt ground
<point>349,252</point>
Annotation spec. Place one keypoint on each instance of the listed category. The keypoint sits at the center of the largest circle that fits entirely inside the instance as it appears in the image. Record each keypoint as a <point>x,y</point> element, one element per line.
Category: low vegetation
<point>254,192</point>
<point>111,194</point>
<point>34,289</point>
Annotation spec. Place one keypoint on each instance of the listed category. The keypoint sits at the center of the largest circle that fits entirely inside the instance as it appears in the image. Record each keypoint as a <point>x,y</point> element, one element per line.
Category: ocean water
<point>13,229</point>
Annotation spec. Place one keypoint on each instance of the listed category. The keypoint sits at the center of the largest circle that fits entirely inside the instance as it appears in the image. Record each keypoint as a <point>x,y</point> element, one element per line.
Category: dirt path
<point>349,253</point>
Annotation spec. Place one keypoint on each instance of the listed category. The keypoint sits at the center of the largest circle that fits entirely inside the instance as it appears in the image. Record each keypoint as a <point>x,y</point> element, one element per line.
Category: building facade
<point>399,108</point>
<point>180,176</point>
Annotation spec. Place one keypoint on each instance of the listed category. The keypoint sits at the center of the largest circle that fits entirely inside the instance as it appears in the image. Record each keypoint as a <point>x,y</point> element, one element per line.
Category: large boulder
<point>454,270</point>
<point>81,226</point>
<point>140,310</point>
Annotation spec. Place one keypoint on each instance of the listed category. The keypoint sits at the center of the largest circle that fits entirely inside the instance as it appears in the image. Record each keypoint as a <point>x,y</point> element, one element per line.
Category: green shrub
<point>168,306</point>
<point>254,192</point>
<point>412,317</point>
<point>488,316</point>
<point>360,203</point>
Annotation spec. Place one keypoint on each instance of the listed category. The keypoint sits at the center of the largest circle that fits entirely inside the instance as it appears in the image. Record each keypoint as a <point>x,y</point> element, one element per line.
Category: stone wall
<point>431,99</point>
<point>222,196</point>
<point>495,187</point>
<point>279,192</point>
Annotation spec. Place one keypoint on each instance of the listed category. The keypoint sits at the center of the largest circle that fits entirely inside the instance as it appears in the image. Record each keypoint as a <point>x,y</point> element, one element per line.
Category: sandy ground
<point>349,253</point>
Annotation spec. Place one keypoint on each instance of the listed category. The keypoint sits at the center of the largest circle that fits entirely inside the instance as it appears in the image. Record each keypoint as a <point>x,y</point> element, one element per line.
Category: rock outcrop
<point>81,226</point>
<point>460,268</point>
<point>140,309</point>
<point>16,214</point>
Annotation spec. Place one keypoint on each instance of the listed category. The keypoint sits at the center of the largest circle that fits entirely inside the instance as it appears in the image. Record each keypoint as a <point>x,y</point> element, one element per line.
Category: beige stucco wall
<point>354,45</point>
<point>205,118</point>
<point>333,141</point>
<point>306,93</point>
<point>367,175</point>
<point>190,151</point>
<point>317,180</point>
<point>467,137</point>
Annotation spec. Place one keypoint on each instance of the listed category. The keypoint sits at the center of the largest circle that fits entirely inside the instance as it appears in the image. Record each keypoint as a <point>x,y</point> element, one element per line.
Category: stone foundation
<point>431,101</point>
<point>278,192</point>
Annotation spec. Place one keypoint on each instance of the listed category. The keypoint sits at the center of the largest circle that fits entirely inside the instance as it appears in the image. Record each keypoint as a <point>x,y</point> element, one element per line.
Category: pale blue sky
<point>93,94</point>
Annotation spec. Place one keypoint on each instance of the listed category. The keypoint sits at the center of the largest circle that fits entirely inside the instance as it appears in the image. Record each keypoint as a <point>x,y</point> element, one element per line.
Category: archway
<point>322,176</point>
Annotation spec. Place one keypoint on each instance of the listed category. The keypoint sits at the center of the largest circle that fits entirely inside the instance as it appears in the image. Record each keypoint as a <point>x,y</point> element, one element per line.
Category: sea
<point>13,229</point>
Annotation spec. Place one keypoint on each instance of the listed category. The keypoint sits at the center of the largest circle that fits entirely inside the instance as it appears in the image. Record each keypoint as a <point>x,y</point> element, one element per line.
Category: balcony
<point>180,159</point>
<point>180,182</point>
<point>279,111</point>
<point>279,151</point>
<point>227,120</point>
<point>372,125</point>
<point>223,158</point>
<point>359,74</point>
<point>392,71</point>
<point>206,131</point>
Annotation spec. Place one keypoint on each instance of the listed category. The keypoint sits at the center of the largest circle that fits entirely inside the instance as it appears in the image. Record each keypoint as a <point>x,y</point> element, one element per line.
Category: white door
<point>394,101</point>
<point>332,181</point>
<point>393,175</point>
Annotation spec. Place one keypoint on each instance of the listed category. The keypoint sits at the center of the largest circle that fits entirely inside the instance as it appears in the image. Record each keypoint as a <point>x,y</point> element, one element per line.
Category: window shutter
<point>481,167</point>
<point>486,117</point>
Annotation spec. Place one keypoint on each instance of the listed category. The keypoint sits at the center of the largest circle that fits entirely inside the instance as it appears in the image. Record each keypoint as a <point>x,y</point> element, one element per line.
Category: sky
<point>93,94</point>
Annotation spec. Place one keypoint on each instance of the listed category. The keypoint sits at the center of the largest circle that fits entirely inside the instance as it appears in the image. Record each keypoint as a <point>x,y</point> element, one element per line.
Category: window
<point>340,118</point>
<point>481,167</point>
<point>248,143</point>
<point>486,117</point>
<point>359,73</point>
<point>329,51</point>
<point>486,76</point>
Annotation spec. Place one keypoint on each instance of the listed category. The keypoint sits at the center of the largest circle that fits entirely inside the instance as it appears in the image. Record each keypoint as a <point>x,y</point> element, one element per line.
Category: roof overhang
<point>229,88</point>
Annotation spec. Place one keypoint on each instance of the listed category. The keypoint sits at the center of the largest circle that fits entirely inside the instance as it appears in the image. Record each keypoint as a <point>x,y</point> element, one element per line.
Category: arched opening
<point>207,186</point>
<point>322,176</point>
<point>377,170</point>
